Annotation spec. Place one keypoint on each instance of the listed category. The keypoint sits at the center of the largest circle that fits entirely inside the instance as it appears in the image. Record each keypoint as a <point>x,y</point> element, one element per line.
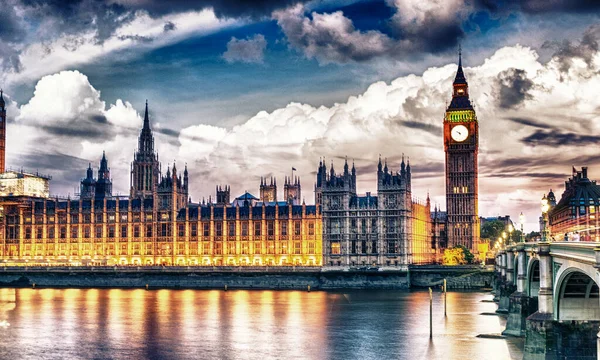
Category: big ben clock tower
<point>461,145</point>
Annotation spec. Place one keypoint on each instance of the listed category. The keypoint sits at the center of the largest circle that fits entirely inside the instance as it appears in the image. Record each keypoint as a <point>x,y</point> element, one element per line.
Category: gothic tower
<point>104,183</point>
<point>145,168</point>
<point>292,191</point>
<point>268,192</point>
<point>461,145</point>
<point>2,134</point>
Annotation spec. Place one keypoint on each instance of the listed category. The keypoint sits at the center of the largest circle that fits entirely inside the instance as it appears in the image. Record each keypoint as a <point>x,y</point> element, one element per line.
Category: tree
<point>458,255</point>
<point>533,236</point>
<point>492,230</point>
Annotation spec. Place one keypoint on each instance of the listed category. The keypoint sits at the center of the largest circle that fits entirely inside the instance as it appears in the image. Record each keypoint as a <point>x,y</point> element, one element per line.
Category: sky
<point>238,90</point>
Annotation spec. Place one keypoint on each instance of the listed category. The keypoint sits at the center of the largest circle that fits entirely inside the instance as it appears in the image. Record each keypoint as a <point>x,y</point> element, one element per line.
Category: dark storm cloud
<point>66,170</point>
<point>584,49</point>
<point>137,38</point>
<point>514,87</point>
<point>531,122</point>
<point>553,138</point>
<point>168,132</point>
<point>432,129</point>
<point>169,25</point>
<point>548,6</point>
<point>525,174</point>
<point>11,30</point>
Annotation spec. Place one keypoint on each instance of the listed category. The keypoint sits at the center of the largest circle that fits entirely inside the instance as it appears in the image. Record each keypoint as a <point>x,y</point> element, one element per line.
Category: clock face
<point>459,133</point>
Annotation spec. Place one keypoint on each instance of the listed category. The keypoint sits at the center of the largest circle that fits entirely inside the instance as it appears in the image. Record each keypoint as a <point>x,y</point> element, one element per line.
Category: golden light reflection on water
<point>241,327</point>
<point>249,325</point>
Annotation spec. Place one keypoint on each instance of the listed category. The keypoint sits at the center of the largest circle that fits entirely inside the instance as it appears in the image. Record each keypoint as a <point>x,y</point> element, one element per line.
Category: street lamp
<point>522,221</point>
<point>545,208</point>
<point>510,231</point>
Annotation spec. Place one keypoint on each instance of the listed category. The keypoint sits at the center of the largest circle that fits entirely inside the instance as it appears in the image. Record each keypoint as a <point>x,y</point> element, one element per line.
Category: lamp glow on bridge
<point>545,208</point>
<point>522,221</point>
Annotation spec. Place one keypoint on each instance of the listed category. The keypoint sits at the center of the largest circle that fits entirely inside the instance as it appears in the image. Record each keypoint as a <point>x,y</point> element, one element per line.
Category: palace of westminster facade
<point>157,224</point>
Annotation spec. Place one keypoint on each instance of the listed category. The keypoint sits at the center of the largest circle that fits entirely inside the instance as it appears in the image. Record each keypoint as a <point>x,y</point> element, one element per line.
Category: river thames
<point>212,324</point>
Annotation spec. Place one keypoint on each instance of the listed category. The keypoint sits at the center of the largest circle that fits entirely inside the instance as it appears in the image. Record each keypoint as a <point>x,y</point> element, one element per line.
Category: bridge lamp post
<point>510,231</point>
<point>545,208</point>
<point>522,221</point>
<point>506,243</point>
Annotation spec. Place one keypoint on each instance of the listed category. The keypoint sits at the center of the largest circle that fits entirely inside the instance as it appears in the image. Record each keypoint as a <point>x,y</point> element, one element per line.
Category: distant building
<point>575,216</point>
<point>21,184</point>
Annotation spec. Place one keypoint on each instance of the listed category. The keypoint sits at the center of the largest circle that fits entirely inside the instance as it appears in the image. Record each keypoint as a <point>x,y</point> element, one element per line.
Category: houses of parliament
<point>157,224</point>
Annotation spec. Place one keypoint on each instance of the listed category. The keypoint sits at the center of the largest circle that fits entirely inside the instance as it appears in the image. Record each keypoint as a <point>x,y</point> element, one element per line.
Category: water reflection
<point>171,324</point>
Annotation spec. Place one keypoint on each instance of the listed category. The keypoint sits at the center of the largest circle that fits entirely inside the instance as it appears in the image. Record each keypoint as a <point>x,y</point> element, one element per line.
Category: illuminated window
<point>257,248</point>
<point>335,248</point>
<point>231,231</point>
<point>270,228</point>
<point>284,228</point>
<point>257,228</point>
<point>206,229</point>
<point>311,227</point>
<point>244,228</point>
<point>297,228</point>
<point>297,248</point>
<point>592,209</point>
<point>311,247</point>
<point>271,247</point>
<point>231,248</point>
<point>218,228</point>
<point>124,231</point>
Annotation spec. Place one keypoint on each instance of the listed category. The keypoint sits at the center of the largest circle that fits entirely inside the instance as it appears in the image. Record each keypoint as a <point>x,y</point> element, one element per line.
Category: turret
<point>185,179</point>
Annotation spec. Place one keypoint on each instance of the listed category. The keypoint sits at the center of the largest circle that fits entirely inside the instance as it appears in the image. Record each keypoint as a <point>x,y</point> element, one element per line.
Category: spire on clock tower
<point>460,94</point>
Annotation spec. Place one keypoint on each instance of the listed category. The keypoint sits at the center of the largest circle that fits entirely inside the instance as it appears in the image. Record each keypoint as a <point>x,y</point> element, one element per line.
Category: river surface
<point>205,324</point>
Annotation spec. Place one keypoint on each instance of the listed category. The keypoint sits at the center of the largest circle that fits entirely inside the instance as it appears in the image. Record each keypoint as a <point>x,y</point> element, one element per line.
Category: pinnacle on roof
<point>460,75</point>
<point>146,119</point>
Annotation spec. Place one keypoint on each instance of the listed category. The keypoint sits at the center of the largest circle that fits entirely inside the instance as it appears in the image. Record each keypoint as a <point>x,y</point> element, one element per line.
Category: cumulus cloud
<point>249,50</point>
<point>330,37</point>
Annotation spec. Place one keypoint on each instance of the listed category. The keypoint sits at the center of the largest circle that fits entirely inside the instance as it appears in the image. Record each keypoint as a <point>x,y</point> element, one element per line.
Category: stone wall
<point>457,277</point>
<point>208,280</point>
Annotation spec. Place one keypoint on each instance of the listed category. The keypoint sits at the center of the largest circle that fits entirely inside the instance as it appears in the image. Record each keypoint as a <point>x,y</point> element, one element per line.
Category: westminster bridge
<point>550,292</point>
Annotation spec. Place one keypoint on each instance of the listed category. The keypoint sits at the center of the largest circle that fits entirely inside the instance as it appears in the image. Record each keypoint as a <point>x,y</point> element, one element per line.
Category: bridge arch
<point>532,285</point>
<point>576,294</point>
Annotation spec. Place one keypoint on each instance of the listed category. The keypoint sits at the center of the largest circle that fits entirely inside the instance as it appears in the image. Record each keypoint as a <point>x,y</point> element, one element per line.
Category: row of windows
<point>164,229</point>
<point>362,247</point>
<point>205,248</point>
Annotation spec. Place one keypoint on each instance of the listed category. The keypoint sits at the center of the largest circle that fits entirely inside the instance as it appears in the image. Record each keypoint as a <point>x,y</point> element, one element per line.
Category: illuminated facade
<point>461,145</point>
<point>575,216</point>
<point>156,224</point>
